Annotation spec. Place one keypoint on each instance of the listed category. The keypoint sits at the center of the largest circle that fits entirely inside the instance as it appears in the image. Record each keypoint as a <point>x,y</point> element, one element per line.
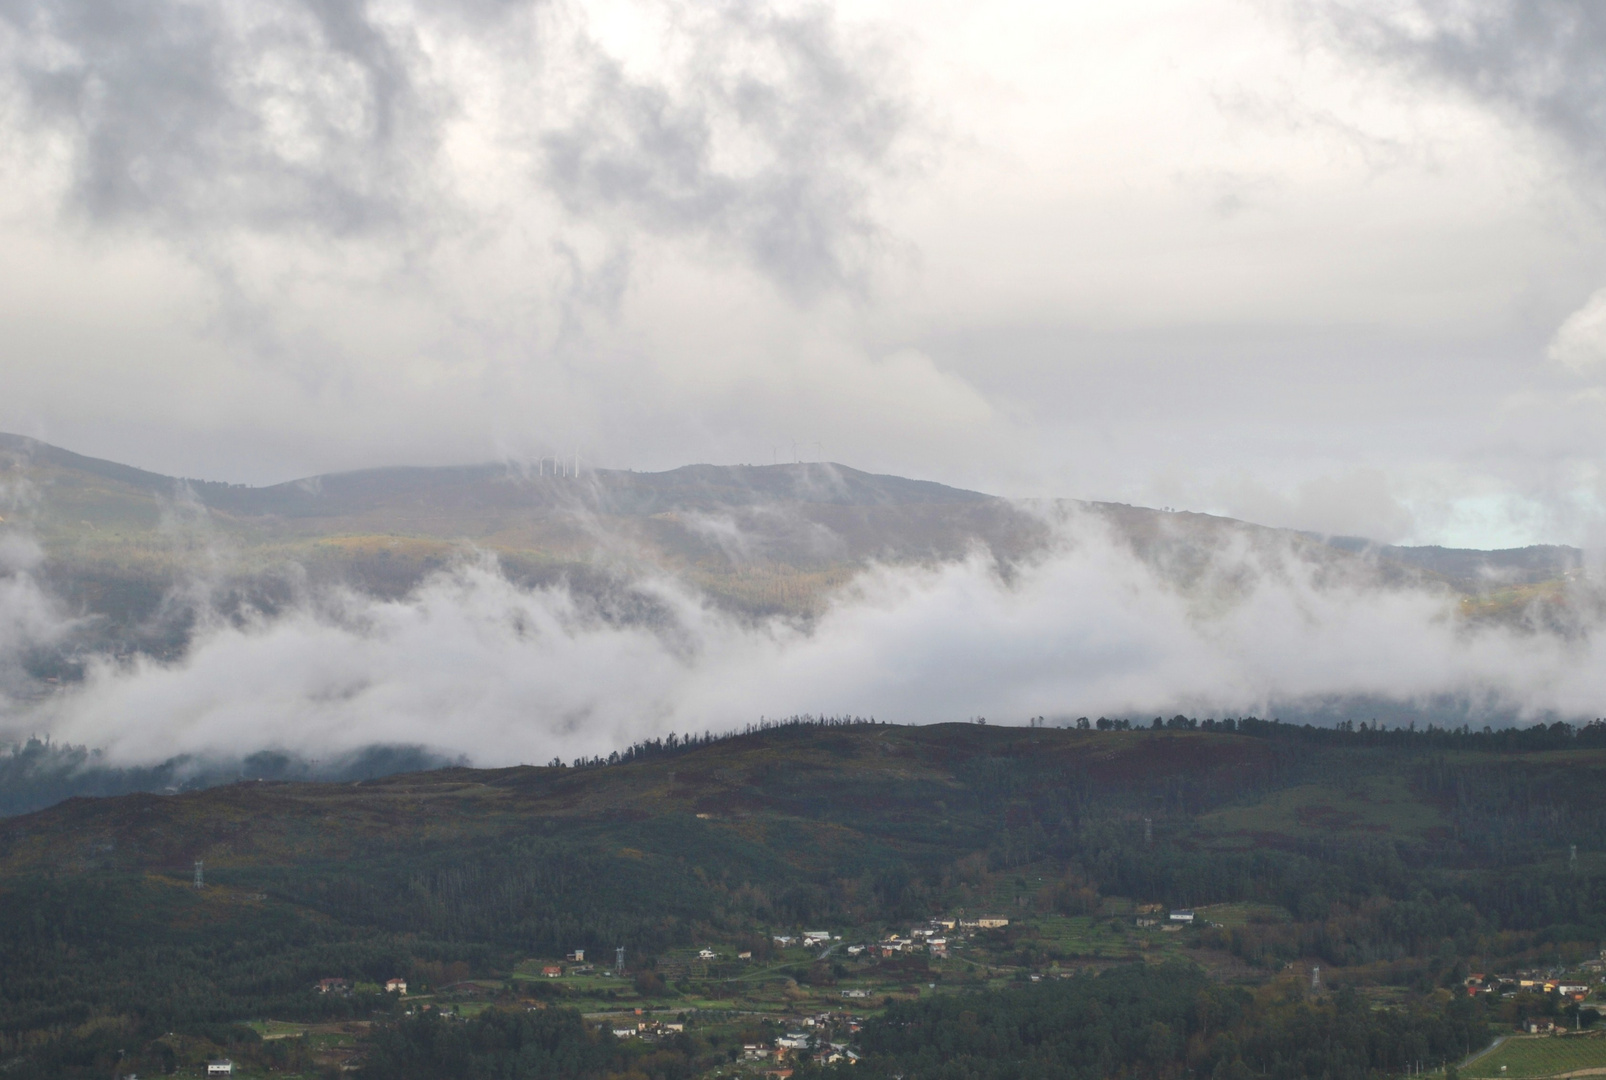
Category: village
<point>772,1003</point>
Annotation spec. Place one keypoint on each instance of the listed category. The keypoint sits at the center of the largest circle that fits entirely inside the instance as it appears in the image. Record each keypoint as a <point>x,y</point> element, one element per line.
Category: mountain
<point>119,543</point>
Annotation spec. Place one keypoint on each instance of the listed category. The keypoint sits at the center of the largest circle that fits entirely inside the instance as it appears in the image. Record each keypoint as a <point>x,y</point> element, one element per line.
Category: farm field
<point>1540,1055</point>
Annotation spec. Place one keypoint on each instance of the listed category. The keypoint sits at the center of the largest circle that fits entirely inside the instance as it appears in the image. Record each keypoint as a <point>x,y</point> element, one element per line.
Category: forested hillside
<point>1388,858</point>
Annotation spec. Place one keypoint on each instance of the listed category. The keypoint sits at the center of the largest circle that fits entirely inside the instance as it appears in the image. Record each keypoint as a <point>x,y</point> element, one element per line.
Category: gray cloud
<point>322,114</point>
<point>770,158</point>
<point>1542,63</point>
<point>286,113</point>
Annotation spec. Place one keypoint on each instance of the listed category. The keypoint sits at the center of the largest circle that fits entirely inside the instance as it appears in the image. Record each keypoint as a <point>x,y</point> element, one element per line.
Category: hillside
<point>120,543</point>
<point>1393,859</point>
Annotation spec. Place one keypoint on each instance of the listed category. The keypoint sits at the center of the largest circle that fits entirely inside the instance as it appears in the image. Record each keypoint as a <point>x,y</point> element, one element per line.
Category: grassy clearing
<point>1381,804</point>
<point>1540,1055</point>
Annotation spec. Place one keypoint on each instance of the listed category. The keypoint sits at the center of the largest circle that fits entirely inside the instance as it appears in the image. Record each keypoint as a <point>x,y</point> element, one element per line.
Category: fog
<point>471,664</point>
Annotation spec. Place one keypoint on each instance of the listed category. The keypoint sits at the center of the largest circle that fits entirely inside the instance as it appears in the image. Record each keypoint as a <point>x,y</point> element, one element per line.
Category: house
<point>795,1040</point>
<point>745,954</point>
<point>991,923</point>
<point>675,1027</point>
<point>855,950</point>
<point>816,937</point>
<point>395,986</point>
<point>855,993</point>
<point>552,971</point>
<point>783,940</point>
<point>624,1033</point>
<point>1182,915</point>
<point>220,1067</point>
<point>1576,991</point>
<point>1537,1025</point>
<point>576,957</point>
<point>705,954</point>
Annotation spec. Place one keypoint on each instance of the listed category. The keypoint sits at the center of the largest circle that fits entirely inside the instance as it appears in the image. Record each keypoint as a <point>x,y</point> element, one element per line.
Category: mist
<point>472,665</point>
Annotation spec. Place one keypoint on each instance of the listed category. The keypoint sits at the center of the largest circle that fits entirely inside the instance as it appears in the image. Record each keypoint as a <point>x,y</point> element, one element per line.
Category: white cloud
<point>473,664</point>
<point>1580,342</point>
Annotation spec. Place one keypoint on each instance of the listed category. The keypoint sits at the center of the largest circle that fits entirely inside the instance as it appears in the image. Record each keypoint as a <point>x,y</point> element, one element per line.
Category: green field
<point>1540,1055</point>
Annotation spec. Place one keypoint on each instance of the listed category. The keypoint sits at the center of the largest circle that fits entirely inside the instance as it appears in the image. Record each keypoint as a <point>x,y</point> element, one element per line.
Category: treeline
<point>673,744</point>
<point>1162,1023</point>
<point>1514,739</point>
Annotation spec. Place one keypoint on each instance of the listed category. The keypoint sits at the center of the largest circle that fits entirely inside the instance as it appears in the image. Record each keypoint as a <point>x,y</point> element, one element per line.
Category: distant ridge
<point>838,518</point>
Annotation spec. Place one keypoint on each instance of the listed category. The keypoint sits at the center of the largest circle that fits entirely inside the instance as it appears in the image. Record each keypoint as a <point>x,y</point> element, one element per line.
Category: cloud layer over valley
<point>473,664</point>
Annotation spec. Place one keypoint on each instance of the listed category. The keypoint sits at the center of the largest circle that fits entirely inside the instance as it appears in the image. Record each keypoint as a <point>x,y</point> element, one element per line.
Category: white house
<point>1182,915</point>
<point>220,1067</point>
<point>705,954</point>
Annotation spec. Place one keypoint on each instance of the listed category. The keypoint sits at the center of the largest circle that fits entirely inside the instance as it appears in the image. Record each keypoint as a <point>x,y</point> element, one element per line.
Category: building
<point>576,957</point>
<point>1538,1025</point>
<point>624,1033</point>
<point>705,954</point>
<point>333,986</point>
<point>552,971</point>
<point>395,986</point>
<point>1182,915</point>
<point>220,1067</point>
<point>991,923</point>
<point>816,937</point>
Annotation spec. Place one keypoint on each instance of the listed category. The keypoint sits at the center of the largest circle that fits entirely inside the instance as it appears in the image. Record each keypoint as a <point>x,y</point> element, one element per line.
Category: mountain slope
<point>119,543</point>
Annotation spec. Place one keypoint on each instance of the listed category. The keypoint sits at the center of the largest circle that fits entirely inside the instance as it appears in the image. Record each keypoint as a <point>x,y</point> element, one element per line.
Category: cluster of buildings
<point>809,938</point>
<point>820,1044</point>
<point>343,986</point>
<point>1532,981</point>
<point>935,938</point>
<point>1149,916</point>
<point>647,1029</point>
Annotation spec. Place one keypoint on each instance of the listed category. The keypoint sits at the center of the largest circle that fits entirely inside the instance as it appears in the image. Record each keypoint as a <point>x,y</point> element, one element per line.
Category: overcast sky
<point>1337,266</point>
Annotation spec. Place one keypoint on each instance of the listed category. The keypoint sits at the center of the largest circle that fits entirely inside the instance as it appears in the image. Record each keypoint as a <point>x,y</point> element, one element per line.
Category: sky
<point>1330,265</point>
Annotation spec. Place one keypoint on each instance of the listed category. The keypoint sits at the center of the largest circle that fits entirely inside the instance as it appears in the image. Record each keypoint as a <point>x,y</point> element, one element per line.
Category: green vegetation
<point>1526,1056</point>
<point>1157,1021</point>
<point>471,883</point>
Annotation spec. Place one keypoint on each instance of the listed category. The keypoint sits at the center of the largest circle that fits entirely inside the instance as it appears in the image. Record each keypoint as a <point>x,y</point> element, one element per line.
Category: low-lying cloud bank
<point>472,664</point>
